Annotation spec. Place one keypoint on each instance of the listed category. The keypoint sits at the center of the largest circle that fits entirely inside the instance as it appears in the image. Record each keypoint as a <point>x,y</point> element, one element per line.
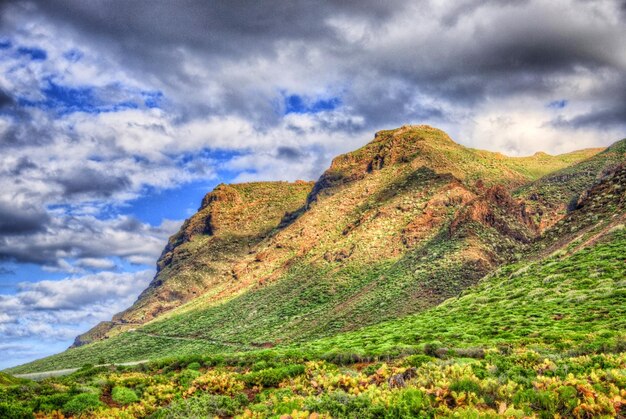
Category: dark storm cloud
<point>463,8</point>
<point>5,99</point>
<point>92,182</point>
<point>597,118</point>
<point>461,54</point>
<point>223,27</point>
<point>20,220</point>
<point>23,164</point>
<point>288,153</point>
<point>25,130</point>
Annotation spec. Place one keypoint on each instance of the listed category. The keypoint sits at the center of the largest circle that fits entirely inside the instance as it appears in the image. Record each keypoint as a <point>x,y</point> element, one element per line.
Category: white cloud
<point>49,314</point>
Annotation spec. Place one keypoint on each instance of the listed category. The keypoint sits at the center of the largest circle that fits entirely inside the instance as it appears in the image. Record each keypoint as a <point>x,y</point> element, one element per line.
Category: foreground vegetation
<point>503,382</point>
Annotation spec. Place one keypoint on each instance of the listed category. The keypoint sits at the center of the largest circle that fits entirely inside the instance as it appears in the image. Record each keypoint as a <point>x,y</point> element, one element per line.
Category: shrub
<point>537,400</point>
<point>186,377</point>
<point>272,377</point>
<point>432,348</point>
<point>476,353</point>
<point>261,365</point>
<point>194,366</point>
<point>82,403</point>
<point>15,411</point>
<point>466,385</point>
<point>342,405</point>
<point>217,382</point>
<point>372,368</point>
<point>418,360</point>
<point>409,403</point>
<point>204,405</point>
<point>124,395</point>
<point>50,403</point>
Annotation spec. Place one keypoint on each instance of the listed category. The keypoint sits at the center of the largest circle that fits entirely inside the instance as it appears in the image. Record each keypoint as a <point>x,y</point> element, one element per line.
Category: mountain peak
<point>388,148</point>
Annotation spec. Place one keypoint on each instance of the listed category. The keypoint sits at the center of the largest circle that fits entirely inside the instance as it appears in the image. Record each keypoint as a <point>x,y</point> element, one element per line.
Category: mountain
<point>390,230</point>
<point>392,199</point>
<point>415,278</point>
<point>549,198</point>
<point>570,294</point>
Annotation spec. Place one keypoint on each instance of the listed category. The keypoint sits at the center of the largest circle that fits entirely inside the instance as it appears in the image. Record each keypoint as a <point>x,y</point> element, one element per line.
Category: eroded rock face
<point>495,208</point>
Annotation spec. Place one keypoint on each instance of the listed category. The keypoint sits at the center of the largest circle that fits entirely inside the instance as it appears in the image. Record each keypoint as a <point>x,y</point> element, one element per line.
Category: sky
<point>117,117</point>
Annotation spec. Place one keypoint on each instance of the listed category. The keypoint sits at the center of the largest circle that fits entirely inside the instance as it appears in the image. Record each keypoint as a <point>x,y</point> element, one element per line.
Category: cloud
<point>5,99</point>
<point>283,89</point>
<point>85,180</point>
<point>21,219</point>
<point>88,240</point>
<point>49,314</point>
<point>69,302</point>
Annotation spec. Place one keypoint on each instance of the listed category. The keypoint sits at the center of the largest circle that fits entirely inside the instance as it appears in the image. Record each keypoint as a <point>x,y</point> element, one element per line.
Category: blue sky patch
<point>178,203</point>
<point>35,54</point>
<point>558,104</point>
<point>152,99</point>
<point>302,104</point>
<point>73,55</point>
<point>78,98</point>
<point>5,44</point>
<point>65,100</point>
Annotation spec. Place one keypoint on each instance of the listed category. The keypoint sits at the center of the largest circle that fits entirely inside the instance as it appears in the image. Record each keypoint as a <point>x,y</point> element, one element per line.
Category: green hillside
<point>549,198</point>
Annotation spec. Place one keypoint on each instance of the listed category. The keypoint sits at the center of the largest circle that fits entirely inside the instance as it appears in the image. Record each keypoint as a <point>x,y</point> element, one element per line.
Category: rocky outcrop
<point>495,208</point>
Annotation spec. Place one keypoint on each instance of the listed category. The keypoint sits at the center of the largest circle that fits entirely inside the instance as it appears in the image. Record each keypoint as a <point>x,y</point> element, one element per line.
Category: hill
<point>389,230</point>
<point>412,179</point>
<point>7,380</point>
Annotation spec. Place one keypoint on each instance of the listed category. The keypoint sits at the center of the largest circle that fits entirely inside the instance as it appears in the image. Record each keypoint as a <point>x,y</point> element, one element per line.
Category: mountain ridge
<point>472,218</point>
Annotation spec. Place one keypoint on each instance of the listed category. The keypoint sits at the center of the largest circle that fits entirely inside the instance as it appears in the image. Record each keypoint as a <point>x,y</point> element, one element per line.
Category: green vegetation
<point>550,197</point>
<point>8,380</point>
<point>123,395</point>
<point>82,404</point>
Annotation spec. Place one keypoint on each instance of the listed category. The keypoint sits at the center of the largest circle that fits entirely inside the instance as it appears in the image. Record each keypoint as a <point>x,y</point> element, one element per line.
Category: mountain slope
<point>549,198</point>
<point>352,252</point>
<point>541,339</point>
<point>391,229</point>
<point>573,297</point>
<point>200,257</point>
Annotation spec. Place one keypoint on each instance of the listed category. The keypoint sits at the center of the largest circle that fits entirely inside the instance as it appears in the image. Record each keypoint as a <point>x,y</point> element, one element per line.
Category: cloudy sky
<point>116,117</point>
